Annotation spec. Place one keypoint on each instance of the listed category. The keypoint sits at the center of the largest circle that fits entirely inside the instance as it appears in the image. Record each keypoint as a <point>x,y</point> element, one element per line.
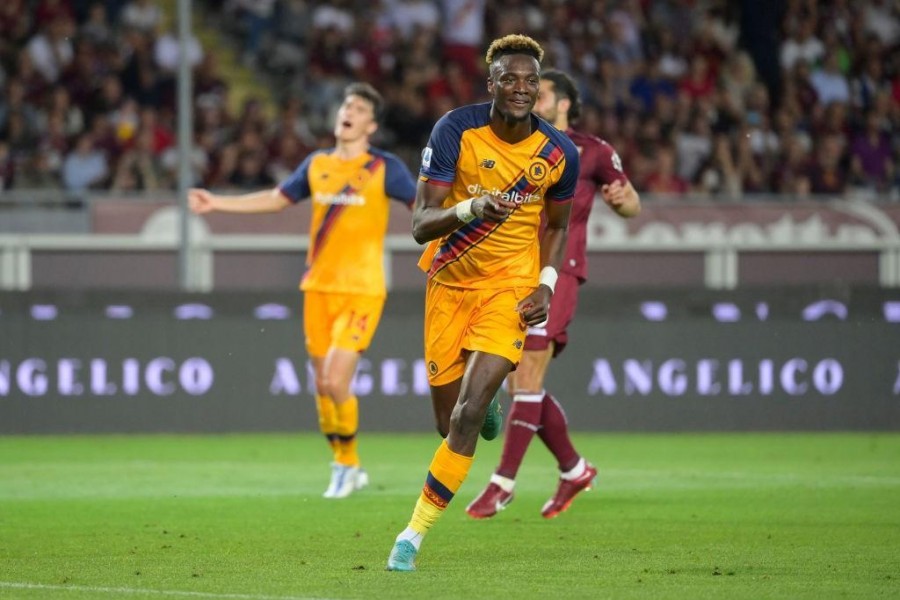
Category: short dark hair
<point>565,87</point>
<point>369,93</point>
<point>514,43</point>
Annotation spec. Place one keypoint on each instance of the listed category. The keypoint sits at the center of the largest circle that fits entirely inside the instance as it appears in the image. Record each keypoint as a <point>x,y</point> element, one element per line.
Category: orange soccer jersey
<point>465,154</point>
<point>349,217</point>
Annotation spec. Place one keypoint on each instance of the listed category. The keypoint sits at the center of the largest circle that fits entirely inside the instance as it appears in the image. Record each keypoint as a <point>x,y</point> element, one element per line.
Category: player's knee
<point>327,386</point>
<point>467,415</point>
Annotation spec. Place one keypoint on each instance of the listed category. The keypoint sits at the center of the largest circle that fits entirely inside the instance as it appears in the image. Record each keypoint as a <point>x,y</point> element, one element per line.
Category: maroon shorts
<point>562,310</point>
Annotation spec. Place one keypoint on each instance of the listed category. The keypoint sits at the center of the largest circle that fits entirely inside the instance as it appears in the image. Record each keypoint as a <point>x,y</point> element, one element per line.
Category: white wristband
<point>464,210</point>
<point>549,277</point>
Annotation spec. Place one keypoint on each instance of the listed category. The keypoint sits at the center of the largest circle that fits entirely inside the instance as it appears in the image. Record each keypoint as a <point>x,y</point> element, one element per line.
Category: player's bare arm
<point>622,198</point>
<point>536,306</point>
<point>203,201</point>
<point>430,220</point>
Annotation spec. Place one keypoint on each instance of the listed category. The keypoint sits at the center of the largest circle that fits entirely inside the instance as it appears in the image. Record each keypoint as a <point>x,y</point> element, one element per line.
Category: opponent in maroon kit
<point>533,409</point>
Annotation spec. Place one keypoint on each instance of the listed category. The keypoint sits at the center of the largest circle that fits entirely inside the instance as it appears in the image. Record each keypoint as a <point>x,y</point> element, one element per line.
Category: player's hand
<point>613,194</point>
<point>535,308</point>
<point>200,201</point>
<point>489,208</point>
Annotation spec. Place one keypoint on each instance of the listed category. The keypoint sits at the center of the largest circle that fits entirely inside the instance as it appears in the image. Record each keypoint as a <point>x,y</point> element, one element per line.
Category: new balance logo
<point>487,164</point>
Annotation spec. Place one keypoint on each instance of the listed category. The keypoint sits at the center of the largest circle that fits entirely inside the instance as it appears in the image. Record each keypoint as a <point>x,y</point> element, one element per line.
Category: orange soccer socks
<point>445,475</point>
<point>347,426</point>
<point>328,423</point>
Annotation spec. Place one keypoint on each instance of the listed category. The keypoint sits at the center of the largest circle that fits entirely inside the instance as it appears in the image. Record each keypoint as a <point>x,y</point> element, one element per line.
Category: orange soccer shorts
<point>345,321</point>
<point>462,320</point>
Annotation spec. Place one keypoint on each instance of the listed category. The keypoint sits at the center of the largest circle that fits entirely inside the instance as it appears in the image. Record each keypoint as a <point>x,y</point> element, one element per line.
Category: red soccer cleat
<point>489,502</point>
<point>567,490</point>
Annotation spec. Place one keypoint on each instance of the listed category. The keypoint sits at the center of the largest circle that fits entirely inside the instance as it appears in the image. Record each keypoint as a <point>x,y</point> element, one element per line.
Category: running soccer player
<point>533,409</point>
<point>350,186</point>
<point>488,174</point>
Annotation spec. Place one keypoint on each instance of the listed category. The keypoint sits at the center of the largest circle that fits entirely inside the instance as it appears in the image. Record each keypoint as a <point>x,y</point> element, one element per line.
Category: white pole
<point>185,141</point>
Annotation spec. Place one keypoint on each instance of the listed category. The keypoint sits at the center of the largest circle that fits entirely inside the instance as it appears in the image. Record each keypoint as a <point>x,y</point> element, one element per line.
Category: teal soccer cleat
<point>403,556</point>
<point>493,420</point>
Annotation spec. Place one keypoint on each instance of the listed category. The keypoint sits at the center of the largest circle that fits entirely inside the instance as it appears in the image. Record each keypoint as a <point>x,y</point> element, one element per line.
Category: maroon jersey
<point>600,164</point>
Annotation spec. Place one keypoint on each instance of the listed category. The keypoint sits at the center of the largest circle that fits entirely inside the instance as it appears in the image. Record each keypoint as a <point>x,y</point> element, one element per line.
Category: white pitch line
<point>122,590</point>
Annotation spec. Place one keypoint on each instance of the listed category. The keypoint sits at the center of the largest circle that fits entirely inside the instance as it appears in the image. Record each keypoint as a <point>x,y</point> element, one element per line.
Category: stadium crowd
<point>702,98</point>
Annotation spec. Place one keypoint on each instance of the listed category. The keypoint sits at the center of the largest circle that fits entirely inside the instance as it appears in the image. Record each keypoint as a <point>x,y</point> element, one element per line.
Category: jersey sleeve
<point>564,189</point>
<point>399,183</point>
<point>608,166</point>
<point>296,187</point>
<point>440,156</point>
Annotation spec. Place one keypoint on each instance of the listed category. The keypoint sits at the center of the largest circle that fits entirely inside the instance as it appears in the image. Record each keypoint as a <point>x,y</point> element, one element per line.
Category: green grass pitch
<point>242,517</point>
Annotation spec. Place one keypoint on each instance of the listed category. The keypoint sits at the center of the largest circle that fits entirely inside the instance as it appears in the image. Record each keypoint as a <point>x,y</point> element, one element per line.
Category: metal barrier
<point>731,244</point>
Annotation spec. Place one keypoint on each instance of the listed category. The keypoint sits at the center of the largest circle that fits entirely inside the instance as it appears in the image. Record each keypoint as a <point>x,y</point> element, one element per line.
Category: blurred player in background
<point>534,410</point>
<point>488,174</point>
<point>350,186</point>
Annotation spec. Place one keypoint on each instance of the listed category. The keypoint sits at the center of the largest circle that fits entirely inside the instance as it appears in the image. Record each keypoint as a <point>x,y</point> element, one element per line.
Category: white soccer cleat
<point>343,481</point>
<point>362,479</point>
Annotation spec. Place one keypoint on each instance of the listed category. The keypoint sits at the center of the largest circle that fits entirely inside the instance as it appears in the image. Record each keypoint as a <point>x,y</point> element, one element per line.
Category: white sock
<point>506,484</point>
<point>577,471</point>
<point>411,536</point>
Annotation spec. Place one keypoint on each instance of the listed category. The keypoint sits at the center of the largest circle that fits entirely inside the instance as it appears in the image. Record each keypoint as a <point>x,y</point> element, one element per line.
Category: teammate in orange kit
<point>350,186</point>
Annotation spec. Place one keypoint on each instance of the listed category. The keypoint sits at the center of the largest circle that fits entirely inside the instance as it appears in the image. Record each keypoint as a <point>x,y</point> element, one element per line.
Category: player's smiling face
<point>514,84</point>
<point>355,119</point>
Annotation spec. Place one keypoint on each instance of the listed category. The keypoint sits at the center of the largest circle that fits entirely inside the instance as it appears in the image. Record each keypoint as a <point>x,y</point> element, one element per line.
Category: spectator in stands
<point>51,48</point>
<point>827,174</point>
<point>15,102</point>
<point>664,179</point>
<point>718,175</point>
<point>257,18</point>
<point>37,173</point>
<point>143,15</point>
<point>872,166</point>
<point>15,26</point>
<point>50,10</point>
<point>97,28</point>
<point>285,153</point>
<point>139,168</point>
<point>59,104</point>
<point>882,19</point>
<point>201,161</point>
<point>409,17</point>
<point>829,82</point>
<point>52,144</point>
<point>209,86</point>
<point>288,51</point>
<point>738,80</point>
<point>802,45</point>
<point>868,84</point>
<point>85,167</point>
<point>463,34</point>
<point>250,172</point>
<point>790,173</point>
<point>20,135</point>
<point>751,167</point>
<point>648,83</point>
<point>34,83</point>
<point>693,146</point>
<point>167,52</point>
